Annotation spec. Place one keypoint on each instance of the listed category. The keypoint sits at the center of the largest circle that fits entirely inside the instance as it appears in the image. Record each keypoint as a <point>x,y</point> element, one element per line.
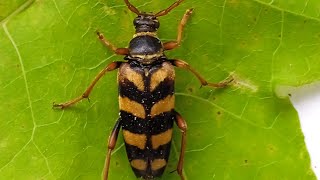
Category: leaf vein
<point>44,157</point>
<point>17,154</point>
<point>59,12</point>
<point>17,11</point>
<point>305,6</point>
<point>278,47</point>
<point>220,22</point>
<point>223,109</point>
<point>285,10</point>
<point>24,76</point>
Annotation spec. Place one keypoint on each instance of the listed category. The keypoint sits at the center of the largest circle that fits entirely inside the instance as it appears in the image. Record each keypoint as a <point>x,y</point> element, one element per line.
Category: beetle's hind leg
<point>182,124</point>
<point>174,44</point>
<point>119,51</point>
<point>111,145</point>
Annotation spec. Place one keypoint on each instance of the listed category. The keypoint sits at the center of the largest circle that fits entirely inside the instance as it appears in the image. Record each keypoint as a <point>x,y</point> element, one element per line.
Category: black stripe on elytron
<point>147,174</point>
<point>140,173</point>
<point>149,126</point>
<point>129,90</point>
<point>164,88</point>
<point>159,172</point>
<point>162,152</point>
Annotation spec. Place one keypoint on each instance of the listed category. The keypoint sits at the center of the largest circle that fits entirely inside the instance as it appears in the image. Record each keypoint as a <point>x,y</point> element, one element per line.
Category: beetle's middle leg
<point>173,44</point>
<point>119,51</point>
<point>181,123</point>
<point>112,66</point>
<point>111,145</point>
<point>182,64</point>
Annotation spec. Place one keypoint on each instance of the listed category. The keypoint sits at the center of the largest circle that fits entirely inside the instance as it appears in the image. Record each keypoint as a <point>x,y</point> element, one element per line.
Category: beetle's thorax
<point>145,46</point>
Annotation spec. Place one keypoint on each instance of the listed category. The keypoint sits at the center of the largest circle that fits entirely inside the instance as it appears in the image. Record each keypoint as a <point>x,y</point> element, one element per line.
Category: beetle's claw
<point>61,106</point>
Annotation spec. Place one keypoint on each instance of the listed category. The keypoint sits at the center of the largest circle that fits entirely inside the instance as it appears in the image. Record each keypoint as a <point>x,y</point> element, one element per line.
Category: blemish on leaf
<point>199,134</point>
<point>108,11</point>
<point>271,148</point>
<point>244,84</point>
<point>243,44</point>
<point>234,2</point>
<point>284,91</point>
<point>190,89</point>
<point>189,102</point>
<point>219,112</point>
<point>254,36</point>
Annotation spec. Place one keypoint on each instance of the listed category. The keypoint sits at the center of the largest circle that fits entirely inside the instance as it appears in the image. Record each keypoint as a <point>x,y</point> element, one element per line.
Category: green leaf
<point>49,53</point>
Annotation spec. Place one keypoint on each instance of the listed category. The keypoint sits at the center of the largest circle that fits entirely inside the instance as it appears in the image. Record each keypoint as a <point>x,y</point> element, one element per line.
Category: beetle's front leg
<point>185,65</point>
<point>119,51</point>
<point>112,66</point>
<point>174,44</point>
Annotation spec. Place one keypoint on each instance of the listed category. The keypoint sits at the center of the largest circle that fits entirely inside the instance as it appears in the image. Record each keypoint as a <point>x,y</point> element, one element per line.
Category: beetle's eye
<point>136,20</point>
<point>156,23</point>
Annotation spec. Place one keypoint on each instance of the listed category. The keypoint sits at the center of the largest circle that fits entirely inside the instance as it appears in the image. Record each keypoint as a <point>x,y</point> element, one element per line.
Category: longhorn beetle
<point>146,95</point>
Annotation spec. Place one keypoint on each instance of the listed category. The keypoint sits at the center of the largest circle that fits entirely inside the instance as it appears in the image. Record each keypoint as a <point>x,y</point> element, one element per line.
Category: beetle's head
<point>146,23</point>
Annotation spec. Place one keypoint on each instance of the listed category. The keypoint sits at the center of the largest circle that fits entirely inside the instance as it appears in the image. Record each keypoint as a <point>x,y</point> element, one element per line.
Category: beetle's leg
<point>184,65</point>
<point>166,11</point>
<point>173,44</point>
<point>119,51</point>
<point>181,123</point>
<point>110,67</point>
<point>111,145</point>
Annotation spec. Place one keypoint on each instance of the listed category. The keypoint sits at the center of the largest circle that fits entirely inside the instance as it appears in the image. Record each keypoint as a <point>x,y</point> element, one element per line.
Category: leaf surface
<point>50,53</point>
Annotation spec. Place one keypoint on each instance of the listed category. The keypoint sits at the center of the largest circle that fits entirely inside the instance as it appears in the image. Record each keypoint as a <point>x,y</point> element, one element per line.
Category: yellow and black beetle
<point>146,95</point>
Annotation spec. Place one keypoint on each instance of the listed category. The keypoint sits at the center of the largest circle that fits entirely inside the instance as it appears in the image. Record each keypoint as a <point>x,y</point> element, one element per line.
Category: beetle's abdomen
<point>146,102</point>
<point>145,45</point>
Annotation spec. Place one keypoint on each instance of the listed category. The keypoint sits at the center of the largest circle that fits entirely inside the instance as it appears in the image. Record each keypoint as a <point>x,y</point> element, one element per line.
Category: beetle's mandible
<point>146,95</point>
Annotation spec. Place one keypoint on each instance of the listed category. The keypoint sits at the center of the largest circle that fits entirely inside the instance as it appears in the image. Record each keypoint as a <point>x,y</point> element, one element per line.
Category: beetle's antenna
<point>166,11</point>
<point>131,7</point>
